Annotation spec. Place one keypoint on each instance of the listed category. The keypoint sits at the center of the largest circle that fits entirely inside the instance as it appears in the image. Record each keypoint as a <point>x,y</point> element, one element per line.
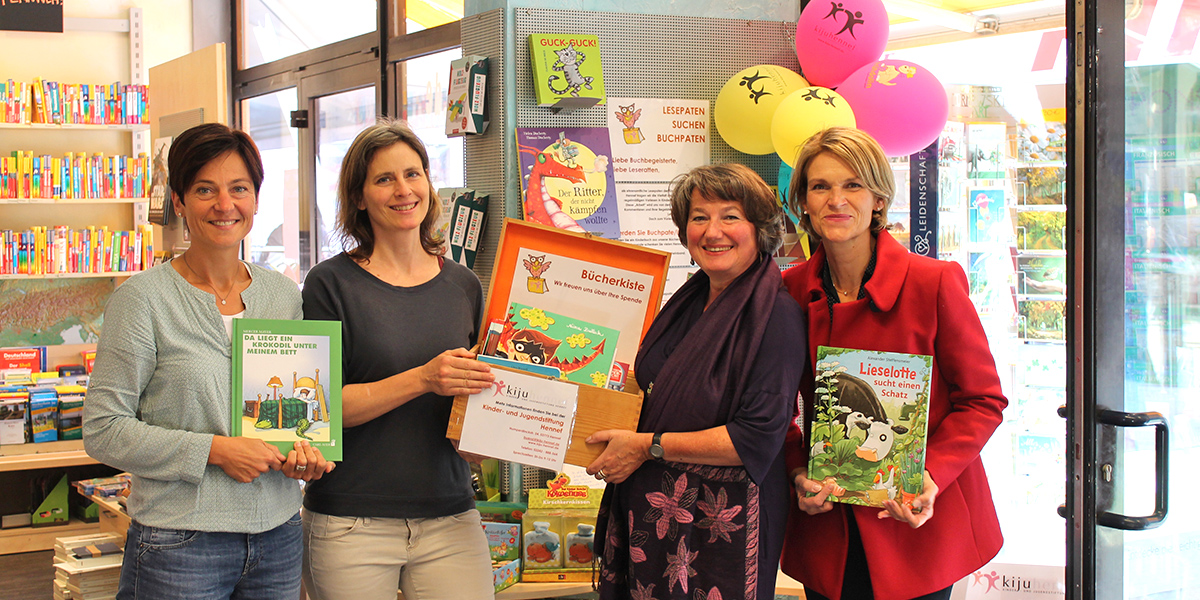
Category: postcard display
<point>567,301</point>
<point>1002,216</point>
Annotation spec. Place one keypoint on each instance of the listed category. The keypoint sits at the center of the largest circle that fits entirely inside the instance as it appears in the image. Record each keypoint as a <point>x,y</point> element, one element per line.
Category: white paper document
<point>521,418</point>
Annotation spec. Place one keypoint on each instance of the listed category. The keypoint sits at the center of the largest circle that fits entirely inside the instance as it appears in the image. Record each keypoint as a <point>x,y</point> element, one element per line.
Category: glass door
<point>340,105</point>
<point>1135,322</point>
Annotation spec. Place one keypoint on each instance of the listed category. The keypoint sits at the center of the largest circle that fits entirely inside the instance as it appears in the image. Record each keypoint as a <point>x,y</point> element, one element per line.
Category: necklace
<point>839,290</point>
<point>208,283</point>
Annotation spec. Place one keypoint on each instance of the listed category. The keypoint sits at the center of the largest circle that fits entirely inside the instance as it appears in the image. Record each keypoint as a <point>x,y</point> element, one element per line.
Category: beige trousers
<point>365,558</point>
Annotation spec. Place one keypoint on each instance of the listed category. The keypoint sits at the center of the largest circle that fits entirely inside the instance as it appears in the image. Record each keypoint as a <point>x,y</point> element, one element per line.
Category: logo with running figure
<point>836,11</point>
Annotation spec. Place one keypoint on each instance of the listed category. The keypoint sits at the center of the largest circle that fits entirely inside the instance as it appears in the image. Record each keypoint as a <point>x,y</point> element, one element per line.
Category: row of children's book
<point>44,250</point>
<point>37,405</point>
<point>41,413</point>
<point>73,103</point>
<point>24,176</point>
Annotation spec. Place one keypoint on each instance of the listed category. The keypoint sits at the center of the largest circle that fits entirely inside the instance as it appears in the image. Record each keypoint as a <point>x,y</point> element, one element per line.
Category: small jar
<point>542,548</point>
<point>580,546</point>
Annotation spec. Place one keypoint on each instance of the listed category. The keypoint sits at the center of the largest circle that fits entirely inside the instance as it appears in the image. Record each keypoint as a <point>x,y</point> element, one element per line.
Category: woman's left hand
<point>304,462</point>
<point>626,451</point>
<point>922,506</point>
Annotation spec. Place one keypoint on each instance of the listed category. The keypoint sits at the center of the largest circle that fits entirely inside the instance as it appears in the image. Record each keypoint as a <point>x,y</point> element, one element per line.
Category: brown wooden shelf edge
<point>47,455</point>
<point>36,539</point>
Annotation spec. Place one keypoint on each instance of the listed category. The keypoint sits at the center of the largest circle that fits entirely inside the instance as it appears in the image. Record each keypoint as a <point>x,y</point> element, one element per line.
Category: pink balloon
<point>901,104</point>
<point>835,37</point>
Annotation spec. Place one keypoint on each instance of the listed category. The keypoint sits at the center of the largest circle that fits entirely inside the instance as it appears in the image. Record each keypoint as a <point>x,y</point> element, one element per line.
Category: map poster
<point>653,141</point>
<point>521,418</point>
<point>53,312</point>
<point>287,383</point>
<point>567,179</point>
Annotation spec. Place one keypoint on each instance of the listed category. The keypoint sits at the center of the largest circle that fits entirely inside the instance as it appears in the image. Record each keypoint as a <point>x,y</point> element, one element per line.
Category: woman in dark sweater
<point>400,507</point>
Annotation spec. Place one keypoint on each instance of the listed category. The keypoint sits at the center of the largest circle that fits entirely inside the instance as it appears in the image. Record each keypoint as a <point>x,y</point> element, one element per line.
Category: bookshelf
<point>104,64</point>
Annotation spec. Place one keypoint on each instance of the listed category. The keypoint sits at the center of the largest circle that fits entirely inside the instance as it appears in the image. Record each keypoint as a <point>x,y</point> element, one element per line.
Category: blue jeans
<point>175,563</point>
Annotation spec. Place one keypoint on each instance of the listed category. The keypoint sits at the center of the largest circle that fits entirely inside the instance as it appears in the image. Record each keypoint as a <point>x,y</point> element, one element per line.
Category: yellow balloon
<point>803,113</point>
<point>746,103</point>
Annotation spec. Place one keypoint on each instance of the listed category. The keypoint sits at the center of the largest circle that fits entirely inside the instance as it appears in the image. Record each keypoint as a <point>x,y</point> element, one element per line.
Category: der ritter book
<point>870,423</point>
<point>287,383</point>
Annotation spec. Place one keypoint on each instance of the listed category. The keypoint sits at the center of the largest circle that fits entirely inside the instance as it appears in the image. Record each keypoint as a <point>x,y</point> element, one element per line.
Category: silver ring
<point>600,475</point>
<point>301,467</point>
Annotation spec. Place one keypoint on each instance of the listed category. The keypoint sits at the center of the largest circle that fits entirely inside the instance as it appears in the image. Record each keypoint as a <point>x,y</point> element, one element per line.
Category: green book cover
<point>566,70</point>
<point>869,424</point>
<point>582,351</point>
<point>287,383</point>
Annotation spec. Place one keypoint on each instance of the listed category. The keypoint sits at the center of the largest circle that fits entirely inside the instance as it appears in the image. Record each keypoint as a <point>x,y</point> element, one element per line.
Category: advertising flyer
<point>653,141</point>
<point>521,418</point>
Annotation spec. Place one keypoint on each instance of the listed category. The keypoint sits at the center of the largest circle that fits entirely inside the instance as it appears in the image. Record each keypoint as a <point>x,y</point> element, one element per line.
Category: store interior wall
<point>99,57</point>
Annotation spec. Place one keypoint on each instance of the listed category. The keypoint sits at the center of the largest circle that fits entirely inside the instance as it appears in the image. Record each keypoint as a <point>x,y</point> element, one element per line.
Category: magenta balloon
<point>901,104</point>
<point>835,37</point>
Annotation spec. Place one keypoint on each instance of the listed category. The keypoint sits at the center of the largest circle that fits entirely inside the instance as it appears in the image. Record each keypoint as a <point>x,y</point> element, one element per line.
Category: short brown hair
<point>197,146</point>
<point>730,182</point>
<point>862,154</point>
<point>354,224</point>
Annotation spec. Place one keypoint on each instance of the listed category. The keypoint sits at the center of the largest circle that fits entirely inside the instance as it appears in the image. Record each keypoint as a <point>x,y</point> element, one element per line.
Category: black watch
<point>656,449</point>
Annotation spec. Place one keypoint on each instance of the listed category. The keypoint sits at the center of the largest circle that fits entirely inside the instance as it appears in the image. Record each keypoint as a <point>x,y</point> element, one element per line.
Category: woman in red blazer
<point>862,289</point>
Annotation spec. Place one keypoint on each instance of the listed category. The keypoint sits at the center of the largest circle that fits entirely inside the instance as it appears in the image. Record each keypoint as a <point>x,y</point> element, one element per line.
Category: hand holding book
<point>922,506</point>
<point>818,503</point>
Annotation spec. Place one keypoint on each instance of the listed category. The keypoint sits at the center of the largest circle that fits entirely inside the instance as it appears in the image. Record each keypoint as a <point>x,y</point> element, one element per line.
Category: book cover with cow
<point>869,425</point>
<point>287,383</point>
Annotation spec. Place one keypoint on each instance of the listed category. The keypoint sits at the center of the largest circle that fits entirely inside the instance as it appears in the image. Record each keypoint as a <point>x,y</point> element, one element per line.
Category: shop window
<point>427,14</point>
<point>273,29</point>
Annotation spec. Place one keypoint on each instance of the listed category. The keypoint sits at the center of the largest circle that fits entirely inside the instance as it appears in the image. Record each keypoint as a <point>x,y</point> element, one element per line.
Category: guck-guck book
<point>287,383</point>
<point>869,424</point>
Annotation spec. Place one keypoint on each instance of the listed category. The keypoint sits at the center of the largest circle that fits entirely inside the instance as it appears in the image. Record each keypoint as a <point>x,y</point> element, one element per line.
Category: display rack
<point>111,211</point>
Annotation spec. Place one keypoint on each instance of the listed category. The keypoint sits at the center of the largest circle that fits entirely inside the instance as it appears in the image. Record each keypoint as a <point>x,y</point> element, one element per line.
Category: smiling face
<point>720,238</point>
<point>219,206</point>
<point>837,201</point>
<point>396,192</point>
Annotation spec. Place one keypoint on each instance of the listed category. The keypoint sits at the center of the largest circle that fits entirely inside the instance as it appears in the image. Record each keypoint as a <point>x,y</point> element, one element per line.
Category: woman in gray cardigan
<point>214,516</point>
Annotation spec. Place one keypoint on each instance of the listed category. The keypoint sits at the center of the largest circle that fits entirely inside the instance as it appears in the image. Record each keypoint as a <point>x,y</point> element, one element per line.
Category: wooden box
<point>619,286</point>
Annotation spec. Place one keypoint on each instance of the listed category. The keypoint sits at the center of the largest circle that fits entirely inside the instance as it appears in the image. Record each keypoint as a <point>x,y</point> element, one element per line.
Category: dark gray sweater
<point>399,464</point>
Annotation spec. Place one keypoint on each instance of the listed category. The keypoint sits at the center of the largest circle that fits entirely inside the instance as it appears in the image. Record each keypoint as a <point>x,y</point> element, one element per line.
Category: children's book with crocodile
<point>287,383</point>
<point>869,425</point>
<point>582,351</point>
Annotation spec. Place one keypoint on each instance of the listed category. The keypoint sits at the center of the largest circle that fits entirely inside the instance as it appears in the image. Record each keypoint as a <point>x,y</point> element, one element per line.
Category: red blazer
<point>914,305</point>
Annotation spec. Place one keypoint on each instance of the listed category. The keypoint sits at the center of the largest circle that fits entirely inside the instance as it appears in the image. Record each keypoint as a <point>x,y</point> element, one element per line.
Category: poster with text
<point>607,297</point>
<point>567,179</point>
<point>653,141</point>
<point>521,418</point>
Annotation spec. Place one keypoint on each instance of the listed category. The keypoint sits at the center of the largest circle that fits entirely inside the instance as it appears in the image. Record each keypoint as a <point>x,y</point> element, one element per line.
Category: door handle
<point>1161,446</point>
<point>1117,418</point>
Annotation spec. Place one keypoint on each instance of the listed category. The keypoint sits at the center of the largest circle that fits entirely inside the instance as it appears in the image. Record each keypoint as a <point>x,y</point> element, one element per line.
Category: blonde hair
<point>862,154</point>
